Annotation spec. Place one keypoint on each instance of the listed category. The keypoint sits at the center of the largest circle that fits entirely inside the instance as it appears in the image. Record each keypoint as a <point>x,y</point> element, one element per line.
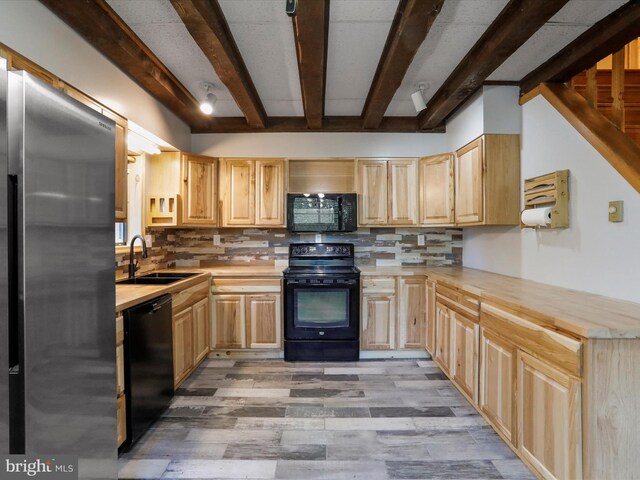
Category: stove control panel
<point>323,250</point>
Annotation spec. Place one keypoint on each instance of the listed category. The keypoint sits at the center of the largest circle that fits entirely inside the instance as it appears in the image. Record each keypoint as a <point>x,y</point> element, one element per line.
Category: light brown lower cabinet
<point>497,382</point>
<point>182,345</point>
<point>411,312</point>
<point>378,322</point>
<point>443,338</point>
<point>430,317</point>
<point>465,354</point>
<point>191,321</point>
<point>246,313</point>
<point>201,335</point>
<point>264,321</point>
<point>549,418</point>
<point>121,412</point>
<point>121,415</point>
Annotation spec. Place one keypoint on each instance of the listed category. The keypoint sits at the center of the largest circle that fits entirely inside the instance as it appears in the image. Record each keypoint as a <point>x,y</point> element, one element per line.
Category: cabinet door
<point>465,354</point>
<point>443,337</point>
<point>549,419</point>
<point>497,382</point>
<point>238,202</point>
<point>121,419</point>
<point>372,192</point>
<point>264,320</point>
<point>402,201</point>
<point>228,321</point>
<point>469,183</point>
<point>270,192</point>
<point>411,313</point>
<point>430,318</point>
<point>199,198</point>
<point>121,164</point>
<point>182,344</point>
<point>201,335</point>
<point>378,322</point>
<point>436,190</point>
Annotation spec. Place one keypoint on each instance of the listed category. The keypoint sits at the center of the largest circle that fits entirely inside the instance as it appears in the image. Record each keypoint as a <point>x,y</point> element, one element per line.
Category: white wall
<point>592,254</point>
<point>32,30</point>
<point>320,145</point>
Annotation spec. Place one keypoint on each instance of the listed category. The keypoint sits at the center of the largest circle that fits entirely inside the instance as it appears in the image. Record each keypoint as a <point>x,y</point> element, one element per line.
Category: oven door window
<point>321,307</point>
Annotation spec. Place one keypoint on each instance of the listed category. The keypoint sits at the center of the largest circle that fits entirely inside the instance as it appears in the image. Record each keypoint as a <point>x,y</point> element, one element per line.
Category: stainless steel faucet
<point>132,265</point>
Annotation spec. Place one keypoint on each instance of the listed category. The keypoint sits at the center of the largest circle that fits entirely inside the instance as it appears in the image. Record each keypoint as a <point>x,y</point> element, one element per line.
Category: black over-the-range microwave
<point>322,212</point>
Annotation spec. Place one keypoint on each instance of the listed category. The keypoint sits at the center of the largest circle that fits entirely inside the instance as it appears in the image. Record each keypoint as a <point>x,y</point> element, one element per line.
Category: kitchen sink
<point>159,278</point>
<point>149,281</point>
<point>169,275</point>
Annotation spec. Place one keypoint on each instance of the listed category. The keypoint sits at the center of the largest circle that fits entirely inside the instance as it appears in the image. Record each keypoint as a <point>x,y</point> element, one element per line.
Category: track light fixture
<point>418,97</point>
<point>210,99</point>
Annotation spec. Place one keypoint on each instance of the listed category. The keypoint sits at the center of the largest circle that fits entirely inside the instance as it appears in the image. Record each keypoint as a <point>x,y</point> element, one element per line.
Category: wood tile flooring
<point>395,419</point>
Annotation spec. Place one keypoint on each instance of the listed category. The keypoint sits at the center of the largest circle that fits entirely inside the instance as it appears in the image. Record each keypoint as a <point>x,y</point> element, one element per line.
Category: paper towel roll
<point>536,217</point>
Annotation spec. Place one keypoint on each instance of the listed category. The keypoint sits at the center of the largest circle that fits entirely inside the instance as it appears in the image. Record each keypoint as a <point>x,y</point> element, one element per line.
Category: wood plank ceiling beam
<point>299,124</point>
<point>517,22</point>
<point>100,25</point>
<point>208,27</point>
<point>311,33</point>
<point>604,38</point>
<point>410,27</point>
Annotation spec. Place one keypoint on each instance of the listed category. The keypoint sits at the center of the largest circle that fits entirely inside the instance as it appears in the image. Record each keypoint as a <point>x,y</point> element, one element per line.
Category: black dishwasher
<point>148,363</point>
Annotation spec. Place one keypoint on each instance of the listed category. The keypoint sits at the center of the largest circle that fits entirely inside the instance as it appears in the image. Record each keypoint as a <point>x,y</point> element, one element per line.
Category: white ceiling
<point>161,29</point>
<point>569,23</point>
<point>264,35</point>
<point>456,29</point>
<point>358,31</point>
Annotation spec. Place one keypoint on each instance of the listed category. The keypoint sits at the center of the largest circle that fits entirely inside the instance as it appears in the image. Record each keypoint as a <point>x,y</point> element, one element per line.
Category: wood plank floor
<point>372,420</point>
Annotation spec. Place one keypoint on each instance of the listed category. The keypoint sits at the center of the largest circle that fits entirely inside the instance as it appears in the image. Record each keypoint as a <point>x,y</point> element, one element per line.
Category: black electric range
<point>322,303</point>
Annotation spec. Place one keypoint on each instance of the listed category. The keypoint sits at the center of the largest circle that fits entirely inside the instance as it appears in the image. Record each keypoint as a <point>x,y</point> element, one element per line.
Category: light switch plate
<point>216,240</point>
<point>421,240</point>
<point>615,211</point>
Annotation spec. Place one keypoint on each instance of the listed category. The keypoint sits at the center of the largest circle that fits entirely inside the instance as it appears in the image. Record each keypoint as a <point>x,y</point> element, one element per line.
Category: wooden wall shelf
<point>550,190</point>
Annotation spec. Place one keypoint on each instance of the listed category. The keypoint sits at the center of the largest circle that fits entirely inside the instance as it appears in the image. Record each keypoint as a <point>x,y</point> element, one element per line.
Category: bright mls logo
<point>55,467</point>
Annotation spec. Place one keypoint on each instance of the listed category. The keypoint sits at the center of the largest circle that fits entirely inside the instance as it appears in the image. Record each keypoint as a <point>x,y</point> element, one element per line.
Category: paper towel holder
<point>550,190</point>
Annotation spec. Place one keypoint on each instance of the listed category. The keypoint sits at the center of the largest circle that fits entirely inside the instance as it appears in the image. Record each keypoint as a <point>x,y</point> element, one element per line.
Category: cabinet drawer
<point>122,419</point>
<point>540,342</point>
<point>119,330</point>
<point>245,285</point>
<point>377,286</point>
<point>459,301</point>
<point>189,296</point>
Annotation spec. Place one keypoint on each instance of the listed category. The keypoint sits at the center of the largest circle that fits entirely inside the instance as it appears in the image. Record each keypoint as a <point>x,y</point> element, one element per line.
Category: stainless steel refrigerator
<point>57,299</point>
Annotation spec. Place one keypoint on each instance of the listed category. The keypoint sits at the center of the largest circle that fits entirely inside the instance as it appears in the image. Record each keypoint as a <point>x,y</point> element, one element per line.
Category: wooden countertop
<point>128,296</point>
<point>578,313</point>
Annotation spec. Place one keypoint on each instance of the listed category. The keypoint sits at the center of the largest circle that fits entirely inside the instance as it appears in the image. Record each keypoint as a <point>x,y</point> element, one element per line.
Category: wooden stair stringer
<point>614,145</point>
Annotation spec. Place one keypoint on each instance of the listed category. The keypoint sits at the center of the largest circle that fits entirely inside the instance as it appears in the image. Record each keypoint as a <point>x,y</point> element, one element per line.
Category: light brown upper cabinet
<point>270,192</point>
<point>372,192</point>
<point>252,192</point>
<point>487,181</point>
<point>436,190</point>
<point>388,192</point>
<point>199,197</point>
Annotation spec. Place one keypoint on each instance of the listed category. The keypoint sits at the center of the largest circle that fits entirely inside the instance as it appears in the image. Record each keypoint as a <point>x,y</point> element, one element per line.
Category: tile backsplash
<point>243,247</point>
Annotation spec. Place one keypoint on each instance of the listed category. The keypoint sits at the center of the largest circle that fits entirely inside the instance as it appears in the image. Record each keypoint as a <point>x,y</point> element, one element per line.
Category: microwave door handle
<point>340,216</point>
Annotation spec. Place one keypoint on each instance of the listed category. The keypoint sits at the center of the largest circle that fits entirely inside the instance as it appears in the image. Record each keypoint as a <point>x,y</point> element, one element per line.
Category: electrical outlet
<point>318,238</point>
<point>216,240</point>
<point>615,211</point>
<point>421,240</point>
<point>148,239</point>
